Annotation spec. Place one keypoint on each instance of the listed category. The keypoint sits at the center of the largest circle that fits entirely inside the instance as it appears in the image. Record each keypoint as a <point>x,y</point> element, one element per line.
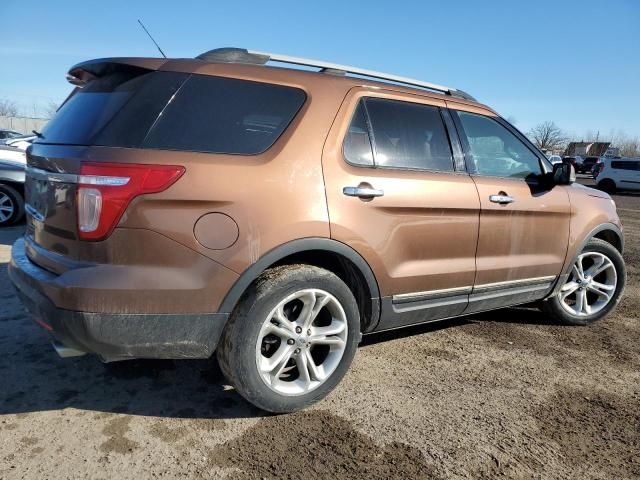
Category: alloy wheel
<point>7,207</point>
<point>591,285</point>
<point>301,342</point>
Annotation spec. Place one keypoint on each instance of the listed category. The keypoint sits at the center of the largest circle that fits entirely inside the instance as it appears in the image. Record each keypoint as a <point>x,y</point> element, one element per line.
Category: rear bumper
<point>112,336</point>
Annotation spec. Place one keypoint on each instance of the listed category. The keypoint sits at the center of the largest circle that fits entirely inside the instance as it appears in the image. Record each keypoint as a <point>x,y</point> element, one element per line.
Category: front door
<point>524,226</point>
<point>394,196</point>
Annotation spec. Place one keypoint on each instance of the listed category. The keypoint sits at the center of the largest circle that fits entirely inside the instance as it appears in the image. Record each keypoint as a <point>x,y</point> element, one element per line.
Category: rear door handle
<point>501,198</point>
<point>362,192</point>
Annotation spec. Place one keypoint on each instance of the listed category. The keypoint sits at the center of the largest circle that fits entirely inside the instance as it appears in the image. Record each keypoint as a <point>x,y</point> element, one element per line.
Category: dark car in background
<point>575,161</point>
<point>587,165</point>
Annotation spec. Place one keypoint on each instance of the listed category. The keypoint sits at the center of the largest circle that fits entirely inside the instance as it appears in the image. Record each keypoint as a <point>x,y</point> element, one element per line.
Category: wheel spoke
<point>579,268</point>
<point>303,369</point>
<point>282,319</point>
<point>567,289</point>
<point>328,335</point>
<point>601,289</point>
<point>580,301</point>
<point>325,340</point>
<point>315,372</point>
<point>279,331</point>
<point>606,265</point>
<point>575,272</point>
<point>597,263</point>
<point>277,361</point>
<point>313,303</point>
<point>320,304</point>
<point>335,328</point>
<point>309,302</point>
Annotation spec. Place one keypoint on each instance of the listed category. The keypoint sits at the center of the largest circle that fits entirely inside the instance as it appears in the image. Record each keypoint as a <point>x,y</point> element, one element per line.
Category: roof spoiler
<point>82,73</point>
<point>250,57</point>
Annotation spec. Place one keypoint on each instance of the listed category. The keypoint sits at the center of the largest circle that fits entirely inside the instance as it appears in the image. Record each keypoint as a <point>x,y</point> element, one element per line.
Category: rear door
<point>524,226</point>
<point>394,195</point>
<point>628,174</point>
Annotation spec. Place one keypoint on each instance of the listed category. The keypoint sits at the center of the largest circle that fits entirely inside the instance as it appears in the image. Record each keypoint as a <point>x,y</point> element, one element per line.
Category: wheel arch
<point>609,232</point>
<point>610,235</point>
<point>326,253</point>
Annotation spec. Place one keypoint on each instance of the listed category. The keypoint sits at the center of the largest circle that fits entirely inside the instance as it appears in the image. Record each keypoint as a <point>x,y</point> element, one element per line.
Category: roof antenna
<point>156,43</point>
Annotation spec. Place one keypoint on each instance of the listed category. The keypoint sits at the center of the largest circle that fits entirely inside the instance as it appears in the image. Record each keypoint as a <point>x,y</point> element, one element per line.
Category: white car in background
<point>22,142</point>
<point>555,159</point>
<point>6,134</point>
<point>618,174</point>
<point>12,154</point>
<point>13,163</point>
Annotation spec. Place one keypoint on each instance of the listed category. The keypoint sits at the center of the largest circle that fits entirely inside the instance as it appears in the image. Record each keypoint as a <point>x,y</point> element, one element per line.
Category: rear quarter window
<point>224,115</point>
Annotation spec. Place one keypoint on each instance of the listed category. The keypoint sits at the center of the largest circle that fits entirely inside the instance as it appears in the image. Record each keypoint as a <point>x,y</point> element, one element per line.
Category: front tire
<point>593,288</point>
<point>291,338</point>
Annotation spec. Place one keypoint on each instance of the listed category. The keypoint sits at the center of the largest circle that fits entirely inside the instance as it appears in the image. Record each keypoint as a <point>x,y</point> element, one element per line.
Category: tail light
<point>599,169</point>
<point>106,189</point>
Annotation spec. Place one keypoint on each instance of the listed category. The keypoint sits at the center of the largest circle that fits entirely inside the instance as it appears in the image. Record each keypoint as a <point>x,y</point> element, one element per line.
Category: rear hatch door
<point>114,109</point>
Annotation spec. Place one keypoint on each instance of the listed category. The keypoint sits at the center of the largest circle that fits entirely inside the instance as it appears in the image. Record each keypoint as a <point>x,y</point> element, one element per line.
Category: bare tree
<point>629,147</point>
<point>8,108</point>
<point>548,136</point>
<point>50,109</point>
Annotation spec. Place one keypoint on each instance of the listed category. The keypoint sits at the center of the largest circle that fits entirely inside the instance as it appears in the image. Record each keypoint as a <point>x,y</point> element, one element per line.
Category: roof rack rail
<point>241,55</point>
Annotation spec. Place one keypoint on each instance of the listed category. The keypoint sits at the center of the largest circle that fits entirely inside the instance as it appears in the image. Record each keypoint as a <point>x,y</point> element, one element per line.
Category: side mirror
<point>564,173</point>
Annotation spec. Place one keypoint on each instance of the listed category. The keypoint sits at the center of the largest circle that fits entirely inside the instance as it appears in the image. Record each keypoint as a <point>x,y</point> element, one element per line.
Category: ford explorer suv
<point>181,208</point>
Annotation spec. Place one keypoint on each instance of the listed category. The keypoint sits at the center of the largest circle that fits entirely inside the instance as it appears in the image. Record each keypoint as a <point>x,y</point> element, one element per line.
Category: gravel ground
<point>505,393</point>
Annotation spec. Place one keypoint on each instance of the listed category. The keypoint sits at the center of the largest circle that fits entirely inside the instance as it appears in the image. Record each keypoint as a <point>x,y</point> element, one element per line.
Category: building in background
<point>587,149</point>
<point>22,124</point>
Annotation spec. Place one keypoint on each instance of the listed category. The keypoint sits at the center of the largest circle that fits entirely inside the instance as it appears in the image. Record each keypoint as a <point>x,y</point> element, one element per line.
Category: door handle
<point>501,198</point>
<point>362,192</point>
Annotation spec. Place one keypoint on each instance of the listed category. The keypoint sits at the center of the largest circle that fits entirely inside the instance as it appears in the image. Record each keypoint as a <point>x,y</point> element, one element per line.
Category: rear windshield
<point>175,111</point>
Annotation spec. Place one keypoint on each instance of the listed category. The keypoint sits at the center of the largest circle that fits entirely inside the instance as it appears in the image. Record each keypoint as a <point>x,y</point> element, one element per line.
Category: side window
<point>225,115</point>
<point>357,144</point>
<point>625,165</point>
<point>409,135</point>
<point>494,150</point>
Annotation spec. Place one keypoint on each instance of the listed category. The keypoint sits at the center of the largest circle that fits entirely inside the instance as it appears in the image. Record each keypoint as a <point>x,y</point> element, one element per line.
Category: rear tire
<point>291,338</point>
<point>594,286</point>
<point>607,185</point>
<point>11,205</point>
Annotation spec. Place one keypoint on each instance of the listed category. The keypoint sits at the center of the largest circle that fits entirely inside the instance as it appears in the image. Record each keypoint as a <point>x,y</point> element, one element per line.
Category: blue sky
<point>574,62</point>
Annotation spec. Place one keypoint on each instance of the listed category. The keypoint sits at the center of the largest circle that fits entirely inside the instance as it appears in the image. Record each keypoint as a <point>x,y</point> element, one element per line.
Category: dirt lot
<point>499,394</point>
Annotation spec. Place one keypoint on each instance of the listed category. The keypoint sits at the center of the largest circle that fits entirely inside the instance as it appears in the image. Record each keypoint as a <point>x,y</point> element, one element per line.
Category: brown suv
<point>181,207</point>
